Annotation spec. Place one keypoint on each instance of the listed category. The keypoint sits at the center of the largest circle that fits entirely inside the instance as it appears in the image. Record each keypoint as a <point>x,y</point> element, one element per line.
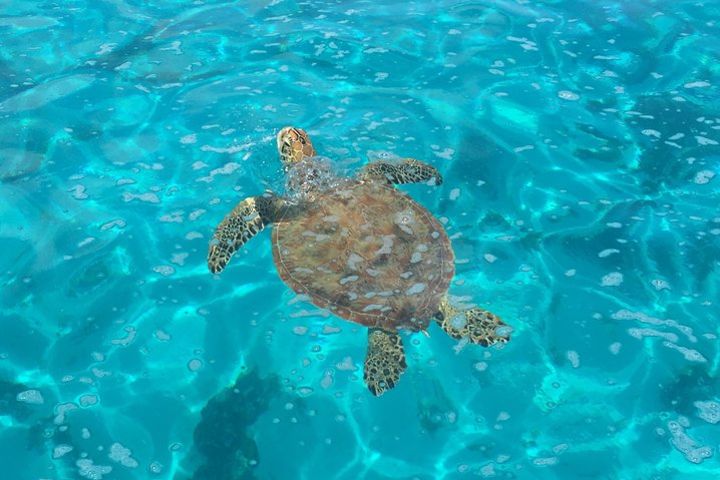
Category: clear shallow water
<point>579,143</point>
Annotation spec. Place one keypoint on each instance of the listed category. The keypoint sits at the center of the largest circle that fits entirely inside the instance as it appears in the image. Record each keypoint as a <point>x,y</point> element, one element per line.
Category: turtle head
<point>306,173</point>
<point>294,145</point>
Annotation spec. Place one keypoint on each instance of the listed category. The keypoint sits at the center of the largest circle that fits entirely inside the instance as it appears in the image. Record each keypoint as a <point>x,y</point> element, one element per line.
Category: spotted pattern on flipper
<point>385,361</point>
<point>248,218</point>
<point>406,171</point>
<point>479,326</point>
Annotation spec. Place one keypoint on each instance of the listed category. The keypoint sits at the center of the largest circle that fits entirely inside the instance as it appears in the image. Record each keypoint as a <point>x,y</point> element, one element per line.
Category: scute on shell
<point>367,252</point>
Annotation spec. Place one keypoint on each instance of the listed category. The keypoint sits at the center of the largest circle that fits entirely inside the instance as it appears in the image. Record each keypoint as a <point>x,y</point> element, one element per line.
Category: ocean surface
<point>580,146</point>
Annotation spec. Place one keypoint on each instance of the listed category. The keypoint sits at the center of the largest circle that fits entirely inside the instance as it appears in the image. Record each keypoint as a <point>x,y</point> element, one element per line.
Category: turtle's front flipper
<point>385,360</point>
<point>407,170</point>
<point>477,325</point>
<point>245,220</point>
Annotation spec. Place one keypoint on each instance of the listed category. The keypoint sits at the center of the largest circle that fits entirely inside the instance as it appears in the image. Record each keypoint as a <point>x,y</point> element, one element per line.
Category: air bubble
<point>568,95</point>
<point>195,364</point>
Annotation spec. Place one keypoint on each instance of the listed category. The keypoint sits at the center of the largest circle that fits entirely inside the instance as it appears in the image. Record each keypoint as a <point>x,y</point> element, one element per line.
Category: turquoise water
<point>579,142</point>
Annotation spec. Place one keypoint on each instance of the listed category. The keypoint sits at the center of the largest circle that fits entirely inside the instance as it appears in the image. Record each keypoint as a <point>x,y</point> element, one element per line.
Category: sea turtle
<point>360,248</point>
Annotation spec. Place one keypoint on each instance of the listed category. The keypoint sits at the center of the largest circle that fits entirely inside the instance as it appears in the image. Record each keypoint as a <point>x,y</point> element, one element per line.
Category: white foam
<point>122,455</point>
<point>686,445</point>
<point>689,353</point>
<point>61,450</point>
<point>88,470</point>
<point>703,177</point>
<point>612,279</point>
<point>568,95</point>
<point>88,400</point>
<point>708,411</point>
<point>33,397</point>
<point>574,358</point>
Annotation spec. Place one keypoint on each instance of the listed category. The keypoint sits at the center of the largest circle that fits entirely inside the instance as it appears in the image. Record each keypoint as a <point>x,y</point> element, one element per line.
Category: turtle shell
<point>368,253</point>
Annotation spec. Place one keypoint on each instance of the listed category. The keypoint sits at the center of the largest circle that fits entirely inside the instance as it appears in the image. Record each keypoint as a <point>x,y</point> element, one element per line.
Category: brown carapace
<point>368,253</point>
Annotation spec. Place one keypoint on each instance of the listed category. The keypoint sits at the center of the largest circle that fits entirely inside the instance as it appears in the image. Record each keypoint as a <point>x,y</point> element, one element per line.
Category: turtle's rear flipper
<point>407,170</point>
<point>245,220</point>
<point>477,325</point>
<point>385,361</point>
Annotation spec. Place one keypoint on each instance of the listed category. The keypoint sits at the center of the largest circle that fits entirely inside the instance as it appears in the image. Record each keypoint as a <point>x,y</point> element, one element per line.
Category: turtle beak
<point>294,145</point>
